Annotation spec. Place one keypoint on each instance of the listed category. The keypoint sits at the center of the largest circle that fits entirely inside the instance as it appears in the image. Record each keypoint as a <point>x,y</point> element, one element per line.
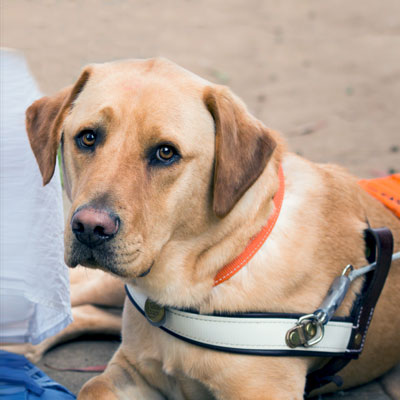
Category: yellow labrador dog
<point>170,179</point>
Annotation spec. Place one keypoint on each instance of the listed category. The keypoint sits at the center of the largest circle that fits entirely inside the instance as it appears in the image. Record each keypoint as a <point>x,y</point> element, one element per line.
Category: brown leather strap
<point>379,244</point>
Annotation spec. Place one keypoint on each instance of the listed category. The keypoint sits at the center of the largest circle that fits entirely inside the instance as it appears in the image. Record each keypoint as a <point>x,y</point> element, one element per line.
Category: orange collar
<point>255,242</point>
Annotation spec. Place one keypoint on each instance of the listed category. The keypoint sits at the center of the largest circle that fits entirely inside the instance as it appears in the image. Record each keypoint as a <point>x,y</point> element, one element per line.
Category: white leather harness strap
<point>267,334</point>
<point>254,335</point>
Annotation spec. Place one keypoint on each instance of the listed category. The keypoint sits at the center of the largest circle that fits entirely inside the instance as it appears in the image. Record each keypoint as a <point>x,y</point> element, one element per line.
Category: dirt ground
<point>324,73</point>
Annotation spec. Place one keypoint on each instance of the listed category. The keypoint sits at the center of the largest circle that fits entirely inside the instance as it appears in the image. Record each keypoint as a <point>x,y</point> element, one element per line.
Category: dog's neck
<point>257,241</point>
<point>186,277</point>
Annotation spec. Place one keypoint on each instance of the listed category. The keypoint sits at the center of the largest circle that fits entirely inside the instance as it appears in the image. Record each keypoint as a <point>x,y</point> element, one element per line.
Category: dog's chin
<point>125,273</point>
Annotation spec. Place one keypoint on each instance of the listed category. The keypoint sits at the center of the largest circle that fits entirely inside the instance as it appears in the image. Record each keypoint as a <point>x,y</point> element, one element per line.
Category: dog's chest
<point>143,342</point>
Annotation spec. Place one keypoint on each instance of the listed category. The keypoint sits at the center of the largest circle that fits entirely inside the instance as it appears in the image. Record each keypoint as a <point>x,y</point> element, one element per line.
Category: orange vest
<point>386,190</point>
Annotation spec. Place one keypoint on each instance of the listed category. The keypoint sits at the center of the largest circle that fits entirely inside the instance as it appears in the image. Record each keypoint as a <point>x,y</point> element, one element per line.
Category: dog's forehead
<point>157,92</point>
<point>126,83</point>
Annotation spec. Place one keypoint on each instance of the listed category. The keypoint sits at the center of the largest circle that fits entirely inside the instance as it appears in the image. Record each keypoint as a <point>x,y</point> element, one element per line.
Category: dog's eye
<point>86,138</point>
<point>165,153</point>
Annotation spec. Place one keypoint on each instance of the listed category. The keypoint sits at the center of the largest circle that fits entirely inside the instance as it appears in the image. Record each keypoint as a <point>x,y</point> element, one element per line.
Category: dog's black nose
<point>93,226</point>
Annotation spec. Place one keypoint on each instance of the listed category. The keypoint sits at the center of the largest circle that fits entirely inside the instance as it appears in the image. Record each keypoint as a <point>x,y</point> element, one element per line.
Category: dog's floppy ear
<point>242,149</point>
<point>43,124</point>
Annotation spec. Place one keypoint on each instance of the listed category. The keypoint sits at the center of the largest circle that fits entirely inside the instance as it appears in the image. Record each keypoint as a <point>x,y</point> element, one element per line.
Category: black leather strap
<point>379,246</point>
<point>380,242</point>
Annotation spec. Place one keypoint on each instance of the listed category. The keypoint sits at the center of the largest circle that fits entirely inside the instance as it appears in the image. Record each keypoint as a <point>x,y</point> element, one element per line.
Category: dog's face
<point>141,148</point>
<point>151,154</point>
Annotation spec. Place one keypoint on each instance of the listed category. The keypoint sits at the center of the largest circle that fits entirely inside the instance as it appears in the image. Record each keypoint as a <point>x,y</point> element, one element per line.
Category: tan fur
<point>236,134</point>
<point>170,223</point>
<point>43,119</point>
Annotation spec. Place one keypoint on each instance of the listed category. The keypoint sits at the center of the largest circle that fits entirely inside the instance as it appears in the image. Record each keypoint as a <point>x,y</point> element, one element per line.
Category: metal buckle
<point>154,312</point>
<point>308,331</point>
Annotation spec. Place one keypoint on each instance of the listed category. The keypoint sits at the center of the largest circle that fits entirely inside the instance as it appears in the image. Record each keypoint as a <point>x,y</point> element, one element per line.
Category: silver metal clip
<point>308,331</point>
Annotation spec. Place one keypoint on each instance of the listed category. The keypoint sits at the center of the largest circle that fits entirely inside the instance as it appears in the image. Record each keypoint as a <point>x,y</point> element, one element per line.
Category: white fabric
<point>34,283</point>
<point>245,333</point>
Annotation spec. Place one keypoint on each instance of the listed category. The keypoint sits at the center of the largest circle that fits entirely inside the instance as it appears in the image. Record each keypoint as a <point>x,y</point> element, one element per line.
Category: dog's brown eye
<point>165,153</point>
<point>88,138</point>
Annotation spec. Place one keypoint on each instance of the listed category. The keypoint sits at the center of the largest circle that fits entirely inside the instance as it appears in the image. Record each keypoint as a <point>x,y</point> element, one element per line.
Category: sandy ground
<point>324,73</point>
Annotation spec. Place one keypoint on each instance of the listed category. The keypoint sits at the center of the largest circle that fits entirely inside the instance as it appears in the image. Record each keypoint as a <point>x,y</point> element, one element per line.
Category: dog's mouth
<point>106,259</point>
<point>146,272</point>
<point>95,262</point>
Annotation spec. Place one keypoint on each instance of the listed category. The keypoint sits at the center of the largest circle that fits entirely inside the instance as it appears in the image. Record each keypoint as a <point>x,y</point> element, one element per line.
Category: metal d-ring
<point>347,268</point>
<point>308,331</point>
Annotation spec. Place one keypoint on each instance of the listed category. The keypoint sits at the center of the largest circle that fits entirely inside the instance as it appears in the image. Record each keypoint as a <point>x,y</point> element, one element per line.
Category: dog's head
<point>151,153</point>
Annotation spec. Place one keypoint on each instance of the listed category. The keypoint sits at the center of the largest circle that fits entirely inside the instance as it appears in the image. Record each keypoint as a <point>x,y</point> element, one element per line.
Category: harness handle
<point>380,243</point>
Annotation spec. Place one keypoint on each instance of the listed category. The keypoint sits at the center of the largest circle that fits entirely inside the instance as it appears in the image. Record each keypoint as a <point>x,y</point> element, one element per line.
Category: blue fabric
<point>21,380</point>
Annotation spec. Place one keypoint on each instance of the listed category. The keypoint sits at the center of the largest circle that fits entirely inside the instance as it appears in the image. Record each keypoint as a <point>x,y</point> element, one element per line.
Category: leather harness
<point>339,339</point>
